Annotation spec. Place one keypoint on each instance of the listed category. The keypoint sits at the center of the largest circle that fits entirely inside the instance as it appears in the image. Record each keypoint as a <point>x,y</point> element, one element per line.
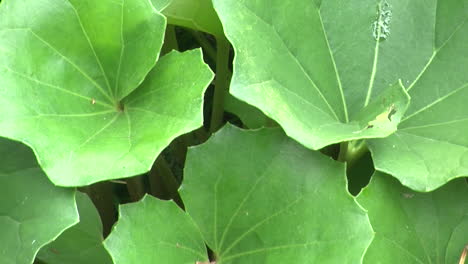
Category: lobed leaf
<point>249,205</point>
<point>316,66</point>
<point>69,73</point>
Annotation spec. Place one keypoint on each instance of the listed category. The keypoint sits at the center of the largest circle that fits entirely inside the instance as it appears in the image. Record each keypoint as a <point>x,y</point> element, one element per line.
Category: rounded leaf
<point>71,86</point>
<point>259,197</point>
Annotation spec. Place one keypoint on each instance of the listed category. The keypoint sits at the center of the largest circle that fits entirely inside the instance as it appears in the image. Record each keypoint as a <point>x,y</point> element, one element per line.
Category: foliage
<point>108,108</point>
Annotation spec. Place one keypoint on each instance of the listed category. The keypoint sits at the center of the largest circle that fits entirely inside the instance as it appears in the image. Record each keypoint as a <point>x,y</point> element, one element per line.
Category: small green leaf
<point>81,243</point>
<point>154,231</point>
<point>412,227</point>
<point>33,211</point>
<point>195,14</point>
<point>72,86</point>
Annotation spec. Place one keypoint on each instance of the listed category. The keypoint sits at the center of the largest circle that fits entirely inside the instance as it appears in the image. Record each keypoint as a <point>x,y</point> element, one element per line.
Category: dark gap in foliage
<point>332,151</point>
<point>234,120</point>
<point>360,174</point>
<point>103,195</point>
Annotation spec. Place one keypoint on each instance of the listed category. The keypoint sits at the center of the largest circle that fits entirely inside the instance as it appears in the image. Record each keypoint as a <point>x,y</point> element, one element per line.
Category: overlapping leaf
<point>249,205</point>
<point>33,211</point>
<point>413,227</point>
<point>316,71</point>
<point>194,14</point>
<point>81,243</point>
<point>68,74</point>
<point>313,66</point>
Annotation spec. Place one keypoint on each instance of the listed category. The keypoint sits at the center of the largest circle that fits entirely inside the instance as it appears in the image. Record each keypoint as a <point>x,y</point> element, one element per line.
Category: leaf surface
<point>431,147</point>
<point>248,205</point>
<point>70,90</point>
<point>252,206</point>
<point>33,211</point>
<point>155,231</point>
<point>412,227</point>
<point>315,66</point>
<point>81,243</point>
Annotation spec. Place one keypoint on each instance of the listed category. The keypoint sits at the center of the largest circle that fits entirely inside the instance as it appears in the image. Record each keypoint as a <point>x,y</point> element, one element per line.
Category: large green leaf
<point>33,211</point>
<point>81,243</point>
<point>413,227</point>
<point>249,205</point>
<point>68,74</point>
<point>320,69</point>
<point>313,65</point>
<point>431,147</point>
<point>194,14</point>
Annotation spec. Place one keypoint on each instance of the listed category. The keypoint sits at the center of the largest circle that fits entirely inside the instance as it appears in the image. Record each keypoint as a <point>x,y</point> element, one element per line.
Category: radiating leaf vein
<point>294,58</point>
<point>98,61</point>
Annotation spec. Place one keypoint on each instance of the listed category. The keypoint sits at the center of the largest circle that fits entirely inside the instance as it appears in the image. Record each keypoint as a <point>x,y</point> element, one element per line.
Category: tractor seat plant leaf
<point>72,86</point>
<point>316,66</point>
<point>249,205</point>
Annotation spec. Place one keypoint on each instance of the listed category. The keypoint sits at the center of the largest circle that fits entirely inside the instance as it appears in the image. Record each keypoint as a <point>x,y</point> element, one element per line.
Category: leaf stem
<point>343,151</point>
<point>163,183</point>
<point>205,44</point>
<point>221,83</point>
<point>135,187</point>
<point>352,151</point>
<point>170,40</point>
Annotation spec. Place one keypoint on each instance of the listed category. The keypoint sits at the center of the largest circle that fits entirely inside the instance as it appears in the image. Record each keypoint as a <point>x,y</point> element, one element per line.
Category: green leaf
<point>33,211</point>
<point>250,206</point>
<point>314,67</point>
<point>194,14</point>
<point>81,243</point>
<point>431,147</point>
<point>412,227</point>
<point>69,73</point>
<point>155,231</point>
